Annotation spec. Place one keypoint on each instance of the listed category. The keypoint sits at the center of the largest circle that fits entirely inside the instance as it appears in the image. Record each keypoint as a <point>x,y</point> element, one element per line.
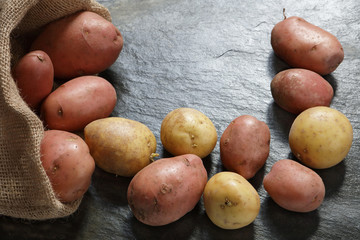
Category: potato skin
<point>83,43</point>
<point>68,164</point>
<point>294,186</point>
<point>120,146</point>
<point>304,45</point>
<point>230,201</point>
<point>34,76</point>
<point>167,189</point>
<point>245,145</point>
<point>296,90</point>
<point>78,102</point>
<point>187,130</point>
<point>321,137</point>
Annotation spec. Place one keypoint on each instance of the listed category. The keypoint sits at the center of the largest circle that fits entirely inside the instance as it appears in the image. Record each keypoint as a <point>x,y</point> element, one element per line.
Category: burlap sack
<point>25,190</point>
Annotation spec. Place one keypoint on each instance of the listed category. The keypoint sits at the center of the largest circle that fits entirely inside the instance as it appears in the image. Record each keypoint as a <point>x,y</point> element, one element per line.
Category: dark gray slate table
<point>216,56</point>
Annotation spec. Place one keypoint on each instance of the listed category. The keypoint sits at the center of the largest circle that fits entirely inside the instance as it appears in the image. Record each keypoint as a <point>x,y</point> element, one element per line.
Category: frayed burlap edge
<point>25,190</point>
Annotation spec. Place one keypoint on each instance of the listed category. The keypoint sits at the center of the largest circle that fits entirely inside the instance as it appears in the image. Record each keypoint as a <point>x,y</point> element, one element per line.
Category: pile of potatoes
<point>320,137</point>
<point>71,50</point>
<point>76,48</point>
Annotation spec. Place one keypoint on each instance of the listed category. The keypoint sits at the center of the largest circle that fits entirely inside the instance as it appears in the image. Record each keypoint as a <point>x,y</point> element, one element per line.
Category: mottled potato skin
<point>321,137</point>
<point>187,130</point>
<point>34,76</point>
<point>230,201</point>
<point>78,102</point>
<point>167,189</point>
<point>83,43</point>
<point>296,90</point>
<point>120,146</point>
<point>304,45</point>
<point>68,164</point>
<point>245,145</point>
<point>294,186</point>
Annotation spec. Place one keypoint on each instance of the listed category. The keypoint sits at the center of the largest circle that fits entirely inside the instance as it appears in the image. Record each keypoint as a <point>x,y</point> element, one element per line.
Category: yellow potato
<point>321,137</point>
<point>187,130</point>
<point>230,201</point>
<point>120,146</point>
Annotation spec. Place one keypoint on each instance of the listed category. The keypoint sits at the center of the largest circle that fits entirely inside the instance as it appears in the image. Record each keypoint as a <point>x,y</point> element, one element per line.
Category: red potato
<point>68,164</point>
<point>83,43</point>
<point>304,45</point>
<point>78,102</point>
<point>34,76</point>
<point>167,189</point>
<point>245,145</point>
<point>294,186</point>
<point>296,90</point>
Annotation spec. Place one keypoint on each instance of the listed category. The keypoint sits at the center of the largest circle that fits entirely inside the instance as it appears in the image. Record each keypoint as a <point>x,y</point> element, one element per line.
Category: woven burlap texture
<point>25,190</point>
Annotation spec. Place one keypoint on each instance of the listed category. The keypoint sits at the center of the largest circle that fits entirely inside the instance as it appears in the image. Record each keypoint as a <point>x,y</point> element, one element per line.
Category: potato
<point>230,201</point>
<point>187,130</point>
<point>245,145</point>
<point>296,90</point>
<point>83,43</point>
<point>68,164</point>
<point>78,102</point>
<point>294,187</point>
<point>120,146</point>
<point>167,189</point>
<point>304,45</point>
<point>321,137</point>
<point>34,76</point>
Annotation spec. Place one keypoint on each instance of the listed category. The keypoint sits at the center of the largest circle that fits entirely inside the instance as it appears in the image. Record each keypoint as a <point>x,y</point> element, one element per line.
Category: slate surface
<point>216,56</point>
